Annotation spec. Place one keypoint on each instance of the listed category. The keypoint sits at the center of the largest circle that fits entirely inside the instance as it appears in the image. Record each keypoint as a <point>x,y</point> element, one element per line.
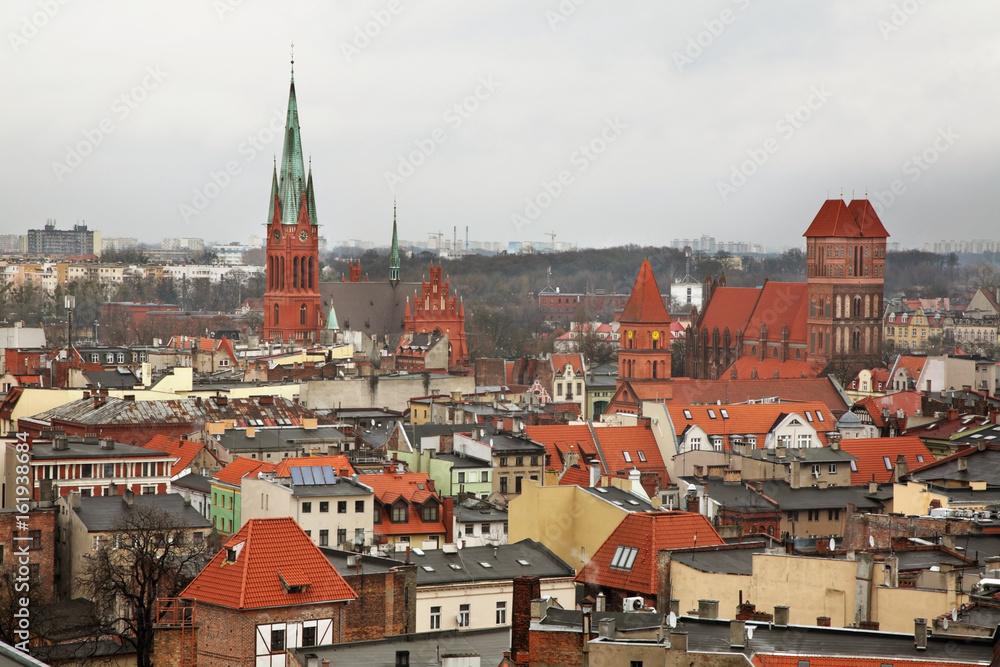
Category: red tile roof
<point>575,476</point>
<point>267,552</point>
<point>340,464</point>
<point>649,532</point>
<point>872,452</point>
<point>912,365</point>
<point>763,660</point>
<point>625,447</point>
<point>575,360</point>
<point>182,450</point>
<point>240,467</point>
<point>749,419</point>
<point>415,489</point>
<point>559,439</point>
<point>779,305</point>
<point>772,369</point>
<point>645,303</point>
<point>729,307</point>
<point>854,220</point>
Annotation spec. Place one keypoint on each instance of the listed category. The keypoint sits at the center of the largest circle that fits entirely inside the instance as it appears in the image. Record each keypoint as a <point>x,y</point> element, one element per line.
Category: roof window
<point>624,557</point>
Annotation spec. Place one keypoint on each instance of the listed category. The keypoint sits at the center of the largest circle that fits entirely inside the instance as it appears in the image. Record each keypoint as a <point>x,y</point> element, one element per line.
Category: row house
<point>91,466</point>
<point>516,460</point>
<point>407,511</point>
<point>227,486</point>
<point>915,330</point>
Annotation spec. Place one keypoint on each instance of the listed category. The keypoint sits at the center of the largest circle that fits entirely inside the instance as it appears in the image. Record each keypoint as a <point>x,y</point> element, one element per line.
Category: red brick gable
<point>271,555</point>
<point>649,533</point>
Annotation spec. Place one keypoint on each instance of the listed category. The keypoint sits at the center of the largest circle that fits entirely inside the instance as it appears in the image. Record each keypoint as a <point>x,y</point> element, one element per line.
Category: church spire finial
<point>293,61</point>
<point>394,251</point>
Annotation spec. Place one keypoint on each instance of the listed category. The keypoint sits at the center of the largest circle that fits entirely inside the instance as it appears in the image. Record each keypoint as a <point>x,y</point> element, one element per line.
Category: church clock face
<point>303,236</point>
<point>277,234</point>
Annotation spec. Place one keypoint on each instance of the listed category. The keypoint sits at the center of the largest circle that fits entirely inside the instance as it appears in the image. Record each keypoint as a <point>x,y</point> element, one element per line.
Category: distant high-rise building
<point>52,241</point>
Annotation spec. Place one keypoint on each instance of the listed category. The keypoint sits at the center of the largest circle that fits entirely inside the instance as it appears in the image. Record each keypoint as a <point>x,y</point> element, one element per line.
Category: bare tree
<point>149,553</point>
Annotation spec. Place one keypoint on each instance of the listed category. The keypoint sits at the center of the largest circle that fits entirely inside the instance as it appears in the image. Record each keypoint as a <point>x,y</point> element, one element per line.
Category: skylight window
<point>521,561</point>
<point>428,568</point>
<point>642,456</point>
<point>809,416</point>
<point>724,413</point>
<point>854,466</point>
<point>628,457</point>
<point>687,414</point>
<point>711,413</point>
<point>920,458</point>
<point>624,557</point>
<point>600,489</point>
<point>888,463</point>
<point>485,564</point>
<point>819,416</point>
<point>454,566</point>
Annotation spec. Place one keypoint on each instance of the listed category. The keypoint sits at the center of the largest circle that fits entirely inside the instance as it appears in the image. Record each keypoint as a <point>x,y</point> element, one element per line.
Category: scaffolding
<point>179,614</point>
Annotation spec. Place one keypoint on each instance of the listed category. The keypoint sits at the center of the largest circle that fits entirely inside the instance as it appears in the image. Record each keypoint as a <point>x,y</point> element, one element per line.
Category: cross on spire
<point>292,52</point>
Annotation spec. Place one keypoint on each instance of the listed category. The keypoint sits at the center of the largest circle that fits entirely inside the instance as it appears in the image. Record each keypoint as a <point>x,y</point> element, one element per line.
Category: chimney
<point>251,432</point>
<point>107,443</point>
<point>526,589</point>
<point>129,497</point>
<point>45,493</point>
<point>920,633</point>
<point>834,440</point>
<point>606,628</point>
<point>675,607</point>
<point>595,473</point>
<point>900,469</point>
<point>708,609</point>
<point>781,615</point>
<point>823,621</point>
<point>737,634</point>
<point>222,400</point>
<point>963,463</point>
<point>679,641</point>
<point>781,451</point>
<point>873,487</point>
<point>60,443</point>
<point>74,499</point>
<point>952,414</point>
<point>599,602</point>
<point>892,571</point>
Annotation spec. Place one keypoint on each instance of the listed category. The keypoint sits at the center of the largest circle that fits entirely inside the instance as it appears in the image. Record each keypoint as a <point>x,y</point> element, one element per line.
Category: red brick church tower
<point>644,338</point>
<point>845,260</point>
<point>436,310</point>
<point>292,304</point>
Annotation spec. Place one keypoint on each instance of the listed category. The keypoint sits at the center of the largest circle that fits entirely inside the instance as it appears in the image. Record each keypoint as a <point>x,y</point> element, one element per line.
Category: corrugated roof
<point>270,556</point>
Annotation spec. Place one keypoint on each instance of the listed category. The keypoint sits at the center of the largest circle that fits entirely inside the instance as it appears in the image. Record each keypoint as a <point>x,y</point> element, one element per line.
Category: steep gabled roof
<point>645,304</point>
<point>575,359</point>
<point>867,219</point>
<point>730,307</point>
<point>749,419</point>
<point>877,457</point>
<point>833,219</point>
<point>779,304</point>
<point>182,450</point>
<point>562,438</point>
<point>271,555</point>
<point>647,533</point>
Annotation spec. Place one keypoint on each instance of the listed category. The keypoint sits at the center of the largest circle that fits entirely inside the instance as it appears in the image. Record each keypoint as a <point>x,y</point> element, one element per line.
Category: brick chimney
<point>526,589</point>
<point>900,469</point>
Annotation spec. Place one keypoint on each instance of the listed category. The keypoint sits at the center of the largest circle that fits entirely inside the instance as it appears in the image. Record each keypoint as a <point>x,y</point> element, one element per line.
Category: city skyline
<point>507,120</point>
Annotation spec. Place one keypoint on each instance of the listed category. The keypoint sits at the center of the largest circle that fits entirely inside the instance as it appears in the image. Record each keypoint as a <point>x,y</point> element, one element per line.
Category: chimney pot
<point>963,463</point>
<point>599,602</point>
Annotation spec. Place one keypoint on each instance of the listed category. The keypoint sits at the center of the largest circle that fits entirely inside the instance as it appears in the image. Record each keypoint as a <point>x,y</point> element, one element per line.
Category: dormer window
<point>400,513</point>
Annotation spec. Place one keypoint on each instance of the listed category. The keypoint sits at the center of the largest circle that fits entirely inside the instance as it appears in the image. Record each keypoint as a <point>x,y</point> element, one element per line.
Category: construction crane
<point>439,236</point>
<point>551,235</point>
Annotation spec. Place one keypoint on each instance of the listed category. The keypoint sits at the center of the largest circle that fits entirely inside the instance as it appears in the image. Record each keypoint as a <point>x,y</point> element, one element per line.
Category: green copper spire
<point>293,173</point>
<point>394,252</point>
<point>331,320</point>
<point>310,197</point>
<point>274,193</point>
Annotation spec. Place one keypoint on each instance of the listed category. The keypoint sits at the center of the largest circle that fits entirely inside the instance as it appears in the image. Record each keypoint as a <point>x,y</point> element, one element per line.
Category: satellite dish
<point>833,544</point>
<point>944,623</point>
<point>871,541</point>
<point>954,614</point>
<point>749,632</point>
<point>672,620</point>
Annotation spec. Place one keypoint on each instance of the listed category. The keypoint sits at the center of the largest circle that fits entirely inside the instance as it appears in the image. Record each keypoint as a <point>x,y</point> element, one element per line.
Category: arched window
<point>302,314</point>
<point>312,269</point>
<point>654,370</point>
<point>295,272</point>
<point>275,314</point>
<point>281,272</point>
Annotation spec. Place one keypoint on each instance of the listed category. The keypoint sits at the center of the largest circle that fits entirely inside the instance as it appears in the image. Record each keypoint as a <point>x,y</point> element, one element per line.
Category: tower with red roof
<point>436,310</point>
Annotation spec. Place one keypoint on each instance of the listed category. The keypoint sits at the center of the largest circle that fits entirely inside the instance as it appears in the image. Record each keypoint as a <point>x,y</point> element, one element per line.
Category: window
<point>309,636</point>
<point>470,529</point>
<point>435,618</point>
<point>109,470</point>
<point>832,469</point>
<point>86,471</point>
<point>464,615</point>
<point>377,515</point>
<point>36,539</point>
<point>717,443</point>
<point>341,507</point>
<point>501,613</point>
<point>430,512</point>
<point>642,456</point>
<point>307,507</point>
<point>324,506</point>
<point>485,528</point>
<point>624,557</point>
<point>833,515</point>
<point>724,413</point>
<point>628,457</point>
<point>324,538</point>
<point>887,462</point>
<point>503,461</point>
<point>341,536</point>
<point>814,515</point>
<point>695,443</point>
<point>635,663</point>
<point>711,413</point>
<point>277,641</point>
<point>816,472</point>
<point>503,484</point>
<point>399,514</point>
<point>687,414</point>
<point>519,461</point>
<point>148,490</point>
<point>534,460</point>
<point>402,659</point>
<point>359,506</point>
<point>784,441</point>
<point>198,538</point>
<point>461,478</point>
<point>793,515</point>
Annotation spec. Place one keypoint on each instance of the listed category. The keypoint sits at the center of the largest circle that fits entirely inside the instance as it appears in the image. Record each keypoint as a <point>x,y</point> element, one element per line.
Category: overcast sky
<point>662,119</point>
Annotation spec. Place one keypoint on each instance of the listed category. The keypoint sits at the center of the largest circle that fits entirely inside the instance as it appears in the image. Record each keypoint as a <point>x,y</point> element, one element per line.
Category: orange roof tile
<point>749,419</point>
<point>645,303</point>
<point>873,454</point>
<point>271,554</point>
<point>625,447</point>
<point>240,467</point>
<point>779,305</point>
<point>340,464</point>
<point>727,390</point>
<point>575,360</point>
<point>772,369</point>
<point>559,439</point>
<point>575,476</point>
<point>867,219</point>
<point>182,450</point>
<point>839,219</point>
<point>765,660</point>
<point>648,533</point>
<point>729,307</point>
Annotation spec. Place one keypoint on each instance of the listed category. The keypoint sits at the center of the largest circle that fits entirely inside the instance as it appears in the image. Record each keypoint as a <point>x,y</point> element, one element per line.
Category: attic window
<point>711,413</point>
<point>854,466</point>
<point>485,564</point>
<point>642,456</point>
<point>628,457</point>
<point>809,416</point>
<point>819,416</point>
<point>687,414</point>
<point>428,568</point>
<point>888,463</point>
<point>521,561</point>
<point>724,413</point>
<point>624,557</point>
<point>920,458</point>
<point>454,566</point>
<point>600,489</point>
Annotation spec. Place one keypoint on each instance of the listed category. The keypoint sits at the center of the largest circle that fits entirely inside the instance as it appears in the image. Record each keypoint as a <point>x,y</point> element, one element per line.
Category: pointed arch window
<point>281,272</point>
<point>295,273</point>
<point>312,269</point>
<point>276,313</point>
<point>302,314</point>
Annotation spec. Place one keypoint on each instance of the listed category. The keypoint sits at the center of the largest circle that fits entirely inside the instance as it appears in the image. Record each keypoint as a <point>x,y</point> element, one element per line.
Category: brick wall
<point>43,520</point>
<point>526,589</point>
<point>386,604</point>
<point>884,527</point>
<point>555,649</point>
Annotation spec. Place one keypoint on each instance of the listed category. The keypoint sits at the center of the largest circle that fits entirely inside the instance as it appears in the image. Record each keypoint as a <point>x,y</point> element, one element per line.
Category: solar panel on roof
<point>296,476</point>
<point>307,475</point>
<point>329,476</point>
